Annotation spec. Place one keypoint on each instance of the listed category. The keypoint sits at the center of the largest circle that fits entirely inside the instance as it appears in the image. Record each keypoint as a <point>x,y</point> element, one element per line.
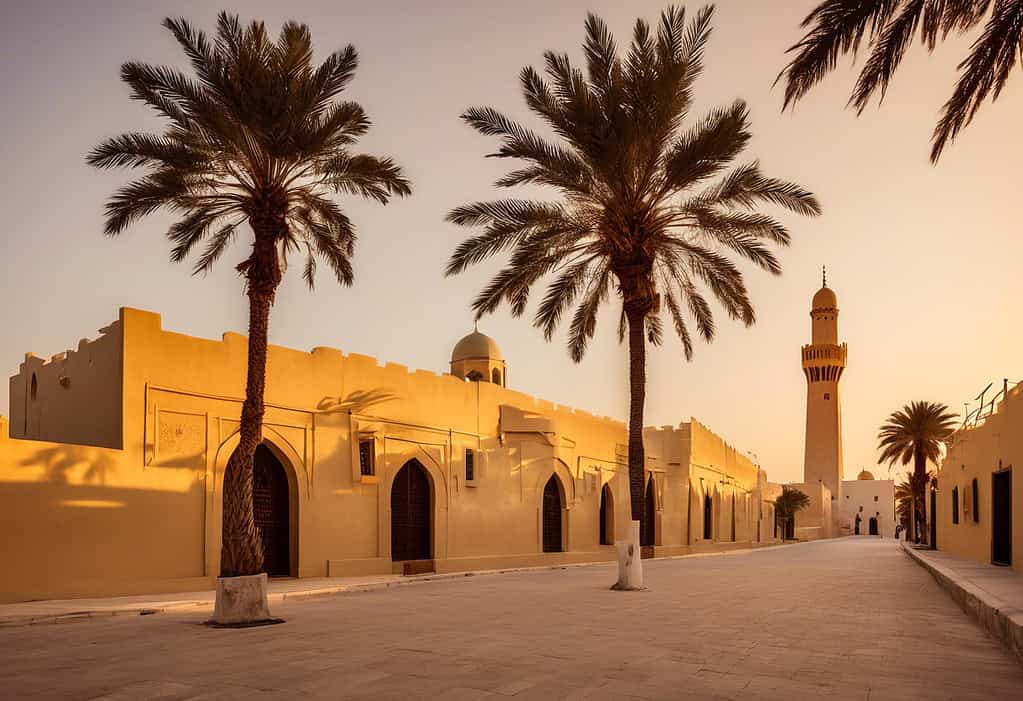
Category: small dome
<point>825,299</point>
<point>865,475</point>
<point>476,346</point>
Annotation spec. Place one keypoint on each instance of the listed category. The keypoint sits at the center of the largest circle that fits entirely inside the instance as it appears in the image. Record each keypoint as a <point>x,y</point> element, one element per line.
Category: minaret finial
<point>824,274</point>
<point>476,325</point>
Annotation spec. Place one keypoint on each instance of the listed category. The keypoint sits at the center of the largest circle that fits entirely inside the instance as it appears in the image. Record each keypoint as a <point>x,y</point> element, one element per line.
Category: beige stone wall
<point>74,396</point>
<point>816,521</point>
<point>875,497</point>
<point>86,520</point>
<point>976,453</point>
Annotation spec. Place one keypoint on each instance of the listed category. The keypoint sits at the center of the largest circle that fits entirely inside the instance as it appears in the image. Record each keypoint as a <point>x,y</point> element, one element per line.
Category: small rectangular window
<point>366,466</point>
<point>875,498</point>
<point>827,395</point>
<point>470,465</point>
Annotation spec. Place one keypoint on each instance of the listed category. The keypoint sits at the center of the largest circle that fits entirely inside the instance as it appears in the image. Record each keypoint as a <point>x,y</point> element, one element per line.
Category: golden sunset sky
<point>924,259</point>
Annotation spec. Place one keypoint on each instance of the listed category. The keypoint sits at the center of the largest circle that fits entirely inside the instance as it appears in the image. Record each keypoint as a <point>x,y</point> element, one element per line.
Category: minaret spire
<point>824,275</point>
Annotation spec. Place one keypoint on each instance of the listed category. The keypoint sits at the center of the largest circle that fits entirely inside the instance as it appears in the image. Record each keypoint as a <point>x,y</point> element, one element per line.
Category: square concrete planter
<point>242,601</point>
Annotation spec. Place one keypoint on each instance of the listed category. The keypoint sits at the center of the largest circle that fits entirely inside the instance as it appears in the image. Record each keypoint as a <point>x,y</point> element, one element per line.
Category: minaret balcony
<point>822,355</point>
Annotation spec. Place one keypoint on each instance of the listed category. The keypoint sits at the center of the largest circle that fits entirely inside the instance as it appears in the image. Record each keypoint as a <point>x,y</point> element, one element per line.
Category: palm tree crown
<point>838,27</point>
<point>916,431</point>
<point>630,215</point>
<point>259,137</point>
<point>790,501</point>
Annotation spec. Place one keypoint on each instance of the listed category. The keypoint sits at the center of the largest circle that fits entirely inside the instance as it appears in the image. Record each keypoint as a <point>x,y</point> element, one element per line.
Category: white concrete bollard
<point>630,561</point>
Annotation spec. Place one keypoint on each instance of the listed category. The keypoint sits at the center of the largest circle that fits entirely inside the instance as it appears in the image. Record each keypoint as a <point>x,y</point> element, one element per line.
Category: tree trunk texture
<point>920,471</point>
<point>636,316</point>
<point>242,550</point>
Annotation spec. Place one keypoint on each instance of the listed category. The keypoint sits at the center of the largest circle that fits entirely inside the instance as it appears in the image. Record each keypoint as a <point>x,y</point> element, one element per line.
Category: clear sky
<point>923,259</point>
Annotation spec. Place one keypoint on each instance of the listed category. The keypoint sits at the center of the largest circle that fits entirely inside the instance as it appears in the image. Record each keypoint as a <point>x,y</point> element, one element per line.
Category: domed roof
<point>476,345</point>
<point>865,475</point>
<point>825,299</point>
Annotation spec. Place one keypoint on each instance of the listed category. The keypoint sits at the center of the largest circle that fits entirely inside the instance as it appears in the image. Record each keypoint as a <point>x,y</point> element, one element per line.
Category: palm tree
<point>906,503</point>
<point>786,506</point>
<point>638,212</point>
<point>258,136</point>
<point>838,27</point>
<point>917,432</point>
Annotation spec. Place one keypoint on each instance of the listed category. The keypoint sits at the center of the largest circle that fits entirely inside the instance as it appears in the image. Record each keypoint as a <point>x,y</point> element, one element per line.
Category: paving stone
<point>850,619</point>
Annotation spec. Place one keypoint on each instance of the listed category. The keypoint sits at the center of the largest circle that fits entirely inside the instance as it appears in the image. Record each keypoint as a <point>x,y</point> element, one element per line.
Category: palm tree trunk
<point>242,551</point>
<point>636,316</point>
<point>920,471</point>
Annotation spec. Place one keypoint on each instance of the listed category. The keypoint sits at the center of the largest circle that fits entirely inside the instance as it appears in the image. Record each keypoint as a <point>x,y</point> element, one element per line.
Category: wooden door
<point>271,509</point>
<point>552,542</point>
<point>411,514</point>
<point>1001,518</point>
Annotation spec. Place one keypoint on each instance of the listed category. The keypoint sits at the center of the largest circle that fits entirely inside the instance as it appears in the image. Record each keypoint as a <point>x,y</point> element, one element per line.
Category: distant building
<point>111,477</point>
<point>872,501</point>
<point>835,503</point>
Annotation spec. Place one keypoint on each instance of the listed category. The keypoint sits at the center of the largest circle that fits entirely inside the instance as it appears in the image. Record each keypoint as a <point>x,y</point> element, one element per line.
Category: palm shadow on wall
<point>60,461</point>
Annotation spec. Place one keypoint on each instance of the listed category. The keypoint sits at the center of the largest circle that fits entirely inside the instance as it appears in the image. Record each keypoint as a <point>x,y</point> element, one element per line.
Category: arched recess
<point>606,516</point>
<point>495,376</point>
<point>438,498</point>
<point>298,492</point>
<point>648,524</point>
<point>708,516</point>
<point>411,513</point>
<point>568,495</point>
<point>552,526</point>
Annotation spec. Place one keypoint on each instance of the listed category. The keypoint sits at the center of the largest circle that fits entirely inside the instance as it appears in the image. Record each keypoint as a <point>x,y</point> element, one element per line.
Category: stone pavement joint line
<point>851,619</point>
<point>992,596</point>
<point>73,610</point>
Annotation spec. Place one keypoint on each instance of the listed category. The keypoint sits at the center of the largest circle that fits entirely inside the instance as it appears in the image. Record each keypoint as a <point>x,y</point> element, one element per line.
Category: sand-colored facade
<point>873,500</point>
<point>111,468</point>
<point>978,500</point>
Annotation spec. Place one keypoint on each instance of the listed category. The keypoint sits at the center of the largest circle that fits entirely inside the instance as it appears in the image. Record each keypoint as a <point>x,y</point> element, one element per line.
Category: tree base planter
<point>630,562</point>
<point>242,602</point>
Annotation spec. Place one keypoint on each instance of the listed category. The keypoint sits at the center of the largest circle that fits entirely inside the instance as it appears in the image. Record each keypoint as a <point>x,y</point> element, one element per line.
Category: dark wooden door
<point>708,517</point>
<point>270,506</point>
<point>410,514</point>
<point>646,524</point>
<point>604,516</point>
<point>552,516</point>
<point>1001,518</point>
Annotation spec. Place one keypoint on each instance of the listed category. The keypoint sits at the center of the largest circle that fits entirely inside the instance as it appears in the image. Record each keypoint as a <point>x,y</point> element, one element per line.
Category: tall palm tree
<point>639,209</point>
<point>837,27</point>
<point>258,136</point>
<point>917,432</point>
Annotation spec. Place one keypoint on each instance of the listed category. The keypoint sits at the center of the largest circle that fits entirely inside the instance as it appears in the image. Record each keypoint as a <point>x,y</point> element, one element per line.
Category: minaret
<point>823,364</point>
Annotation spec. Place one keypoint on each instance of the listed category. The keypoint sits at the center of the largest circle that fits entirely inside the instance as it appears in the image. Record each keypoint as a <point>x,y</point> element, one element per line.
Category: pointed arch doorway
<point>411,502</point>
<point>607,516</point>
<point>271,507</point>
<point>553,502</point>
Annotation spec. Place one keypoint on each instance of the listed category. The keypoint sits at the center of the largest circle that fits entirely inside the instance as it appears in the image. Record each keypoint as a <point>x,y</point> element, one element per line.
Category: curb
<point>335,589</point>
<point>1000,619</point>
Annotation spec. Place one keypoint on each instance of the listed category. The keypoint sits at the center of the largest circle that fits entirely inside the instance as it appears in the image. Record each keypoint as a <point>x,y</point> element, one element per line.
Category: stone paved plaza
<point>845,619</point>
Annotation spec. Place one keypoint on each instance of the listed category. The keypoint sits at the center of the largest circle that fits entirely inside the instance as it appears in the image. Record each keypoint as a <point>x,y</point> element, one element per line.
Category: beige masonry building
<point>111,475</point>
<point>976,503</point>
